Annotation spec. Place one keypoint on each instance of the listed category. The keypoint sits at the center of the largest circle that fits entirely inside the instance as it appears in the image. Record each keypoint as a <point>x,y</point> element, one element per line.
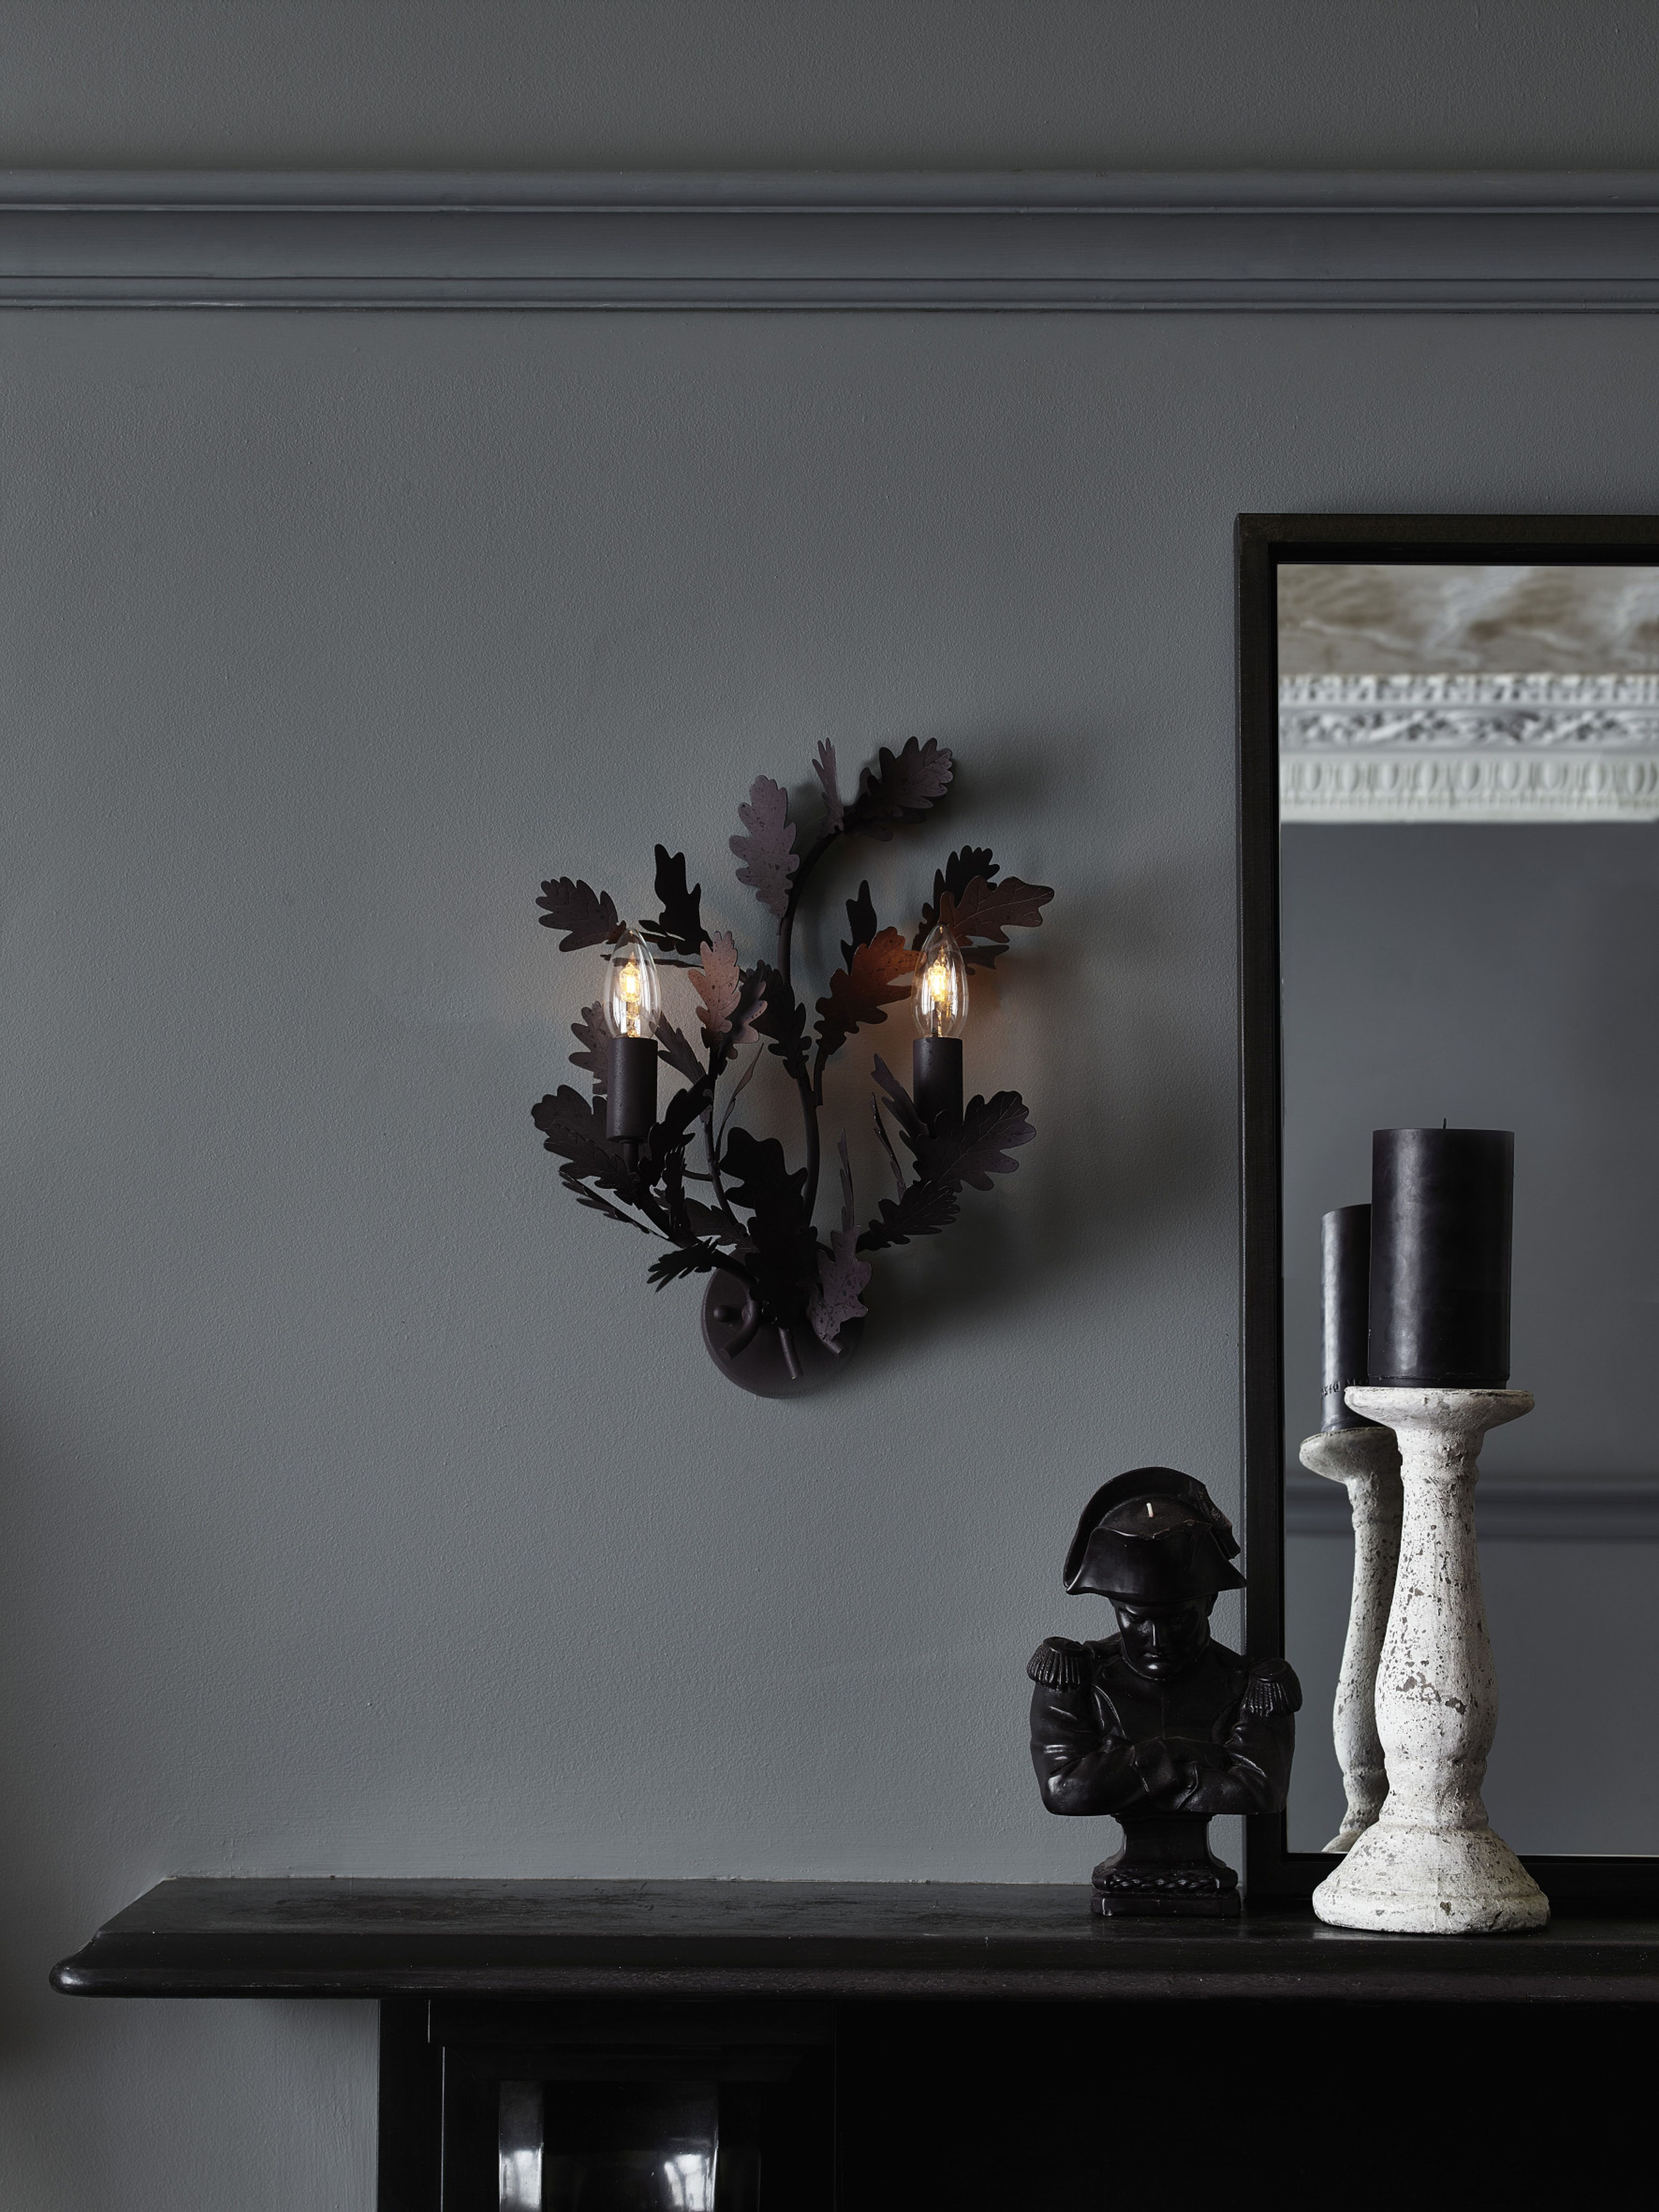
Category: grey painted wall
<point>366,1510</point>
<point>1499,977</point>
<point>866,83</point>
<point>1502,977</point>
<point>330,1544</point>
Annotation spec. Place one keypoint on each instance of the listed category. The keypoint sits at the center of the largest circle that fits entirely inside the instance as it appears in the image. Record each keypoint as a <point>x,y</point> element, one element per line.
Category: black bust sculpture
<point>1159,1725</point>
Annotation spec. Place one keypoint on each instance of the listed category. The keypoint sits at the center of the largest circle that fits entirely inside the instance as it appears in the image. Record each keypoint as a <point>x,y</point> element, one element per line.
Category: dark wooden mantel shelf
<point>349,1938</point>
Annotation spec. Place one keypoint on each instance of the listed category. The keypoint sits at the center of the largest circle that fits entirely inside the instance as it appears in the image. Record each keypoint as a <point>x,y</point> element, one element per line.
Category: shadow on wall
<point>1132,1132</point>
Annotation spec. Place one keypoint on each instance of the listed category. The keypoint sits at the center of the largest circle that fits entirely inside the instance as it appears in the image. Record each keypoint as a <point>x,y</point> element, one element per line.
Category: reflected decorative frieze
<point>1492,747</point>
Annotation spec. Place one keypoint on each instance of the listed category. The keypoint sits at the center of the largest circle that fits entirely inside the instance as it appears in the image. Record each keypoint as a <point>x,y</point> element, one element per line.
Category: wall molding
<point>1469,748</point>
<point>1487,243</point>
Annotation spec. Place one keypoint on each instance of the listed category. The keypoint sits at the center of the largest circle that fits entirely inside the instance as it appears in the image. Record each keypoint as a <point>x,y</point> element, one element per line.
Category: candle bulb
<point>633,1007</point>
<point>1442,1203</point>
<point>1346,1289</point>
<point>939,1001</point>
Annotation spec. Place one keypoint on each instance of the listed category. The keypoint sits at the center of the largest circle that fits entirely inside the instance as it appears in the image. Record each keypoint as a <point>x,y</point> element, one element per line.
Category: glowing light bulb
<point>632,996</point>
<point>939,991</point>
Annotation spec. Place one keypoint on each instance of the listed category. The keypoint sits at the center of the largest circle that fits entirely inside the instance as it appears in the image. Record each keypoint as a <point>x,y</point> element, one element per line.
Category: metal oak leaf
<point>877,974</point>
<point>678,1052</point>
<point>684,1259</point>
<point>583,1196</point>
<point>751,1005</point>
<point>886,1144</point>
<point>980,919</point>
<point>587,916</point>
<point>922,1209</point>
<point>704,1222</point>
<point>783,1249</point>
<point>782,1020</point>
<point>903,1106</point>
<point>594,1037</point>
<point>978,1148</point>
<point>675,1124</point>
<point>718,983</point>
<point>678,927</point>
<point>738,1090</point>
<point>767,853</point>
<point>734,999</point>
<point>835,1298</point>
<point>958,871</point>
<point>762,1181</point>
<point>861,920</point>
<point>575,1130</point>
<point>901,787</point>
<point>824,766</point>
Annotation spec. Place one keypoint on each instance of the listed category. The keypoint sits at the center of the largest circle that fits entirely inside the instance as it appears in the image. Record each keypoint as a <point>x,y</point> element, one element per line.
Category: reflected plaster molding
<point>1455,748</point>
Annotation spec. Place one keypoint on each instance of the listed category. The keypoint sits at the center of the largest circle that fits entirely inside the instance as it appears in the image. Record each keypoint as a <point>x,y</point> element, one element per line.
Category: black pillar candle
<point>1442,1201</point>
<point>630,1088</point>
<point>1345,1293</point>
<point>936,1078</point>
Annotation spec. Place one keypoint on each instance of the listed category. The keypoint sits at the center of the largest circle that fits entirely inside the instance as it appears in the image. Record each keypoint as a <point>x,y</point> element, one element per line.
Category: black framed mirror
<point>1448,887</point>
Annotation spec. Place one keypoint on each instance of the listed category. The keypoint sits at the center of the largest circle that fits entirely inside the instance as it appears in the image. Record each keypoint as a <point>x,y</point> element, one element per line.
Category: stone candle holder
<point>1430,1864</point>
<point>1367,1461</point>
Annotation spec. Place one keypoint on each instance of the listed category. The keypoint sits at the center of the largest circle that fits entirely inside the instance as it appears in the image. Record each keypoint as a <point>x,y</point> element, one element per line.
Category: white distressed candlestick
<point>1430,1864</point>
<point>1367,1461</point>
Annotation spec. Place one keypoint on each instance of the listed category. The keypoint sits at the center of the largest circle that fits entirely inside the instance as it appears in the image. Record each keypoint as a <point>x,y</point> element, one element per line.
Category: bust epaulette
<point>1059,1664</point>
<point>1272,1688</point>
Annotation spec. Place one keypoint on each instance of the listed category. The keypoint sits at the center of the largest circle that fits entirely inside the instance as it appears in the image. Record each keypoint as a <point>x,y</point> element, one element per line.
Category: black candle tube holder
<point>936,1079</point>
<point>630,1089</point>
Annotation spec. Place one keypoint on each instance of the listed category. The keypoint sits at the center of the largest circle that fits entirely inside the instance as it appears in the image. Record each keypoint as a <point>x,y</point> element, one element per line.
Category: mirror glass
<point>1469,913</point>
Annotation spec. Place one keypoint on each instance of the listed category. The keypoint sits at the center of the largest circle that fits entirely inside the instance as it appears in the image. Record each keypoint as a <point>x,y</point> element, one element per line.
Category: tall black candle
<point>1345,1277</point>
<point>1442,1201</point>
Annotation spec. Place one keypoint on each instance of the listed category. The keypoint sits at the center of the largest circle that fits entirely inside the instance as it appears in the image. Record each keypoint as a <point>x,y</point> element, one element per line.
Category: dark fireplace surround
<point>865,2045</point>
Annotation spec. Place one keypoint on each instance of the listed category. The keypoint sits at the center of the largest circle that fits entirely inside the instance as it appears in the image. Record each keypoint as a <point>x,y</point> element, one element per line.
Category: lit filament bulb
<point>938,995</point>
<point>633,997</point>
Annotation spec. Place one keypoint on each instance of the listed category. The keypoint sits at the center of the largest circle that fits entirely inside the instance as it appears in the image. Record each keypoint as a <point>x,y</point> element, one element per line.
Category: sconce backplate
<point>761,1367</point>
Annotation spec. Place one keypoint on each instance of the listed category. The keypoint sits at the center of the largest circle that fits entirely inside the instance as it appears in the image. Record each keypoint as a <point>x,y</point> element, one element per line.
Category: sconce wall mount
<point>784,1306</point>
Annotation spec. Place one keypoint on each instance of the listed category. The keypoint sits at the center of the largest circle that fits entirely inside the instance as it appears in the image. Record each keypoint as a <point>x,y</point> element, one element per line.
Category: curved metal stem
<point>720,1198</point>
<point>809,1110</point>
<point>748,1329</point>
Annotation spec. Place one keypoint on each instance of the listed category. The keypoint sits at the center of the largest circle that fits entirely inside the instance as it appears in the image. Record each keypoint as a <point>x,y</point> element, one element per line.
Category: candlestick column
<point>1365,1460</point>
<point>1430,1863</point>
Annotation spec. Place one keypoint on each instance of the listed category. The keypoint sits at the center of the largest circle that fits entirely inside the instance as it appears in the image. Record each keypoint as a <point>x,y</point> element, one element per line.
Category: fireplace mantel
<point>858,2046</point>
<point>719,1939</point>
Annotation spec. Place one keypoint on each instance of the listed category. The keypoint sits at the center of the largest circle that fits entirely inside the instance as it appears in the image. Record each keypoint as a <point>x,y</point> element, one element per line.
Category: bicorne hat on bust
<point>1153,1537</point>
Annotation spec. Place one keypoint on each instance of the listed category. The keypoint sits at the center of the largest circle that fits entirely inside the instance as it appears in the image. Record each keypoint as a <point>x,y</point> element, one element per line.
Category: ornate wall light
<point>783,1305</point>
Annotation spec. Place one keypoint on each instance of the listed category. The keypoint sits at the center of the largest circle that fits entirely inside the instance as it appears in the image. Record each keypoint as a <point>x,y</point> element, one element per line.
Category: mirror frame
<point>1273,1870</point>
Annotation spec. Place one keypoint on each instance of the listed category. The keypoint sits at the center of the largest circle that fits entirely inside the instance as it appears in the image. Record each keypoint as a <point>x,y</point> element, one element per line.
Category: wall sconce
<point>782,1306</point>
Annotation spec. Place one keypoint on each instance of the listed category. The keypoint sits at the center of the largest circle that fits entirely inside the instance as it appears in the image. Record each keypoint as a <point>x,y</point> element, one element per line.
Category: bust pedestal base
<point>1166,1868</point>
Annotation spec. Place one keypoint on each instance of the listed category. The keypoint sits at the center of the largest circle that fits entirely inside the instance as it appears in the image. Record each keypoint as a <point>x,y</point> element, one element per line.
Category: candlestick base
<point>1367,1461</point>
<point>1406,1879</point>
<point>1430,1864</point>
